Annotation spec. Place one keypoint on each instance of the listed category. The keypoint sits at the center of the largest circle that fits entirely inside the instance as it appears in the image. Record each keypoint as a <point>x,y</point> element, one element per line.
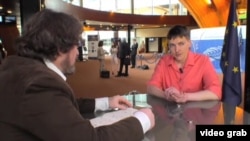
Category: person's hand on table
<point>119,102</point>
<point>173,94</point>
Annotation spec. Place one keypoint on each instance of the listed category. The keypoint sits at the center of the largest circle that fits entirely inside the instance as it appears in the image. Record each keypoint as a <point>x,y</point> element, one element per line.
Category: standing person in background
<point>142,47</point>
<point>80,47</point>
<point>114,59</point>
<point>3,52</point>
<point>124,52</point>
<point>101,55</point>
<point>183,75</point>
<point>37,104</point>
<point>118,50</point>
<point>133,53</point>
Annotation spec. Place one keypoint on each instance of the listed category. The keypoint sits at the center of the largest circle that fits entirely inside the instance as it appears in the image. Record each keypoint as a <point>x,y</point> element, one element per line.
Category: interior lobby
<point>147,21</point>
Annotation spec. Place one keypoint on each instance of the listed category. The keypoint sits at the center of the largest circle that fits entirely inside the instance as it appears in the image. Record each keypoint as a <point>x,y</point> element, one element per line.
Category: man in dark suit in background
<point>134,53</point>
<point>123,52</point>
<point>37,104</point>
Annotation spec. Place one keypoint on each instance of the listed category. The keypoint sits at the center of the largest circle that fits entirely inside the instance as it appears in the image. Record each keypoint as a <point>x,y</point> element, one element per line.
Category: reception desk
<point>177,122</point>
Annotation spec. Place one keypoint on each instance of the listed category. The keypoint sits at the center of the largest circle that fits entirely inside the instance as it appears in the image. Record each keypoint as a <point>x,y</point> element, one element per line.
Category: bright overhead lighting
<point>9,11</point>
<point>209,2</point>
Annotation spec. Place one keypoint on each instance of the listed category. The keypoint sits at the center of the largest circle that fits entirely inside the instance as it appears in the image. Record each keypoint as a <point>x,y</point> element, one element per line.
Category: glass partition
<point>159,7</point>
<point>123,6</point>
<point>145,7</point>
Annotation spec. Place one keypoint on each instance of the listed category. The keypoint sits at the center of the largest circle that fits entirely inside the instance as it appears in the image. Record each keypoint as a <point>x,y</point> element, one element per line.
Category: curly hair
<point>47,33</point>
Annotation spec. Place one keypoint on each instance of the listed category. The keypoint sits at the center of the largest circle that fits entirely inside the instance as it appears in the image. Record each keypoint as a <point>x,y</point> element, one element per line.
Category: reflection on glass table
<point>176,122</point>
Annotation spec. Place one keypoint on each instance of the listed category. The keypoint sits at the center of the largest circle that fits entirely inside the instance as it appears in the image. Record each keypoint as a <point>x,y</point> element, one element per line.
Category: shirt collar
<point>190,59</point>
<point>53,67</point>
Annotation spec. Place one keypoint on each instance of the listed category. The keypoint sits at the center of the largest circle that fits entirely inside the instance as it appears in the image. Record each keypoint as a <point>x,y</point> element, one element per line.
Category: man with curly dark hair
<point>37,104</point>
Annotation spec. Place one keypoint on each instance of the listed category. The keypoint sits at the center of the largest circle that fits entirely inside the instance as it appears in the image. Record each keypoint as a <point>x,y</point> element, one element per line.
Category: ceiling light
<point>209,2</point>
<point>9,11</point>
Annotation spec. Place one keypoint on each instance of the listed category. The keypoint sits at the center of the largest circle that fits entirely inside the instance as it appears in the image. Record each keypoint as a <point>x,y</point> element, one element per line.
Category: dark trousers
<point>121,67</point>
<point>133,60</point>
<point>80,57</point>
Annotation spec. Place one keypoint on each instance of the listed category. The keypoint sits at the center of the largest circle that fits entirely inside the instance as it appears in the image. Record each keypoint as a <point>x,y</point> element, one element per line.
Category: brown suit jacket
<point>37,104</point>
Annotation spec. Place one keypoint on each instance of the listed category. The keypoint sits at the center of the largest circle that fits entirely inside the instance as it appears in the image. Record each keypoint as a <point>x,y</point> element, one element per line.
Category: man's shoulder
<point>166,59</point>
<point>200,58</point>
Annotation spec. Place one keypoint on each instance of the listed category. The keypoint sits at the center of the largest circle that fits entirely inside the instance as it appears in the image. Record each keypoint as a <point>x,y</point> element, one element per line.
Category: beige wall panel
<point>155,32</point>
<point>152,32</point>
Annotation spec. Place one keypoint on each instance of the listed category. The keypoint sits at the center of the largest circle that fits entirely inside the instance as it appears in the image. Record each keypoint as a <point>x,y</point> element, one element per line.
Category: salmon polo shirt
<point>197,74</point>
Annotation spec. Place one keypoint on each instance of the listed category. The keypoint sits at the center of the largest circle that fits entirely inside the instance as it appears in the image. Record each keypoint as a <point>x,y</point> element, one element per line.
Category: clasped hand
<point>173,94</point>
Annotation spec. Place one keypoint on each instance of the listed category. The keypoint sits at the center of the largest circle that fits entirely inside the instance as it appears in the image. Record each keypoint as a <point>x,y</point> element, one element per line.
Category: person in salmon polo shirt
<point>183,75</point>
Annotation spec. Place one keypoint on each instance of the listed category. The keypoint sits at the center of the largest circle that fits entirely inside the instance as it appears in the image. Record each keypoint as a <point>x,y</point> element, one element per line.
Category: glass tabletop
<point>178,122</point>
